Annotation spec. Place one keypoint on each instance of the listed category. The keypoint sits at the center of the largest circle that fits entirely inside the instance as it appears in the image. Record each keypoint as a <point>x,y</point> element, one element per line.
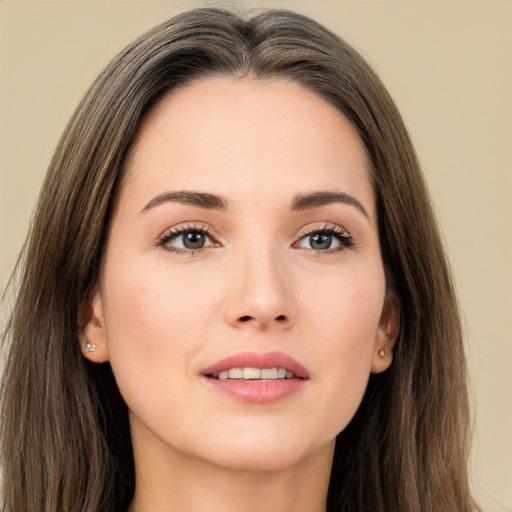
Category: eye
<point>326,239</point>
<point>187,239</point>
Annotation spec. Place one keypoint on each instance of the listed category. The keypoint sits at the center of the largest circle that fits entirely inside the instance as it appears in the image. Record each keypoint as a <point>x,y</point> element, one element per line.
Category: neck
<point>179,483</point>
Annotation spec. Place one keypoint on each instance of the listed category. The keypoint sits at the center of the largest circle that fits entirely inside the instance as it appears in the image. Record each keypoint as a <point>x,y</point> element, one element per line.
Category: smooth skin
<point>263,276</point>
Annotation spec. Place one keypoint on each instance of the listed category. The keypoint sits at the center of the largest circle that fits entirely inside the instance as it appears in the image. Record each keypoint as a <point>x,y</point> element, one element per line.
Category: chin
<point>256,453</point>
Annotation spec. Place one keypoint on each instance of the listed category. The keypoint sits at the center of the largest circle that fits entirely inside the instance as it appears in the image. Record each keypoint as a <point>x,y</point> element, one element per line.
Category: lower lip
<point>257,391</point>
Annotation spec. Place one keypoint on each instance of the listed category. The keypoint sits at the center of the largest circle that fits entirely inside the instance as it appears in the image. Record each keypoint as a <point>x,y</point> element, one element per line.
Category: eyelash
<point>333,230</point>
<point>174,233</point>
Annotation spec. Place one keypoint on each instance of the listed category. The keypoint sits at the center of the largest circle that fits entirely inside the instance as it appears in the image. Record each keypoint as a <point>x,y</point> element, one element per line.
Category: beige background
<point>447,63</point>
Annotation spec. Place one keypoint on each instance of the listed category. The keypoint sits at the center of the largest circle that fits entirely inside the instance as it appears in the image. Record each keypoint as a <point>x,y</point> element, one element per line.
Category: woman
<point>234,292</point>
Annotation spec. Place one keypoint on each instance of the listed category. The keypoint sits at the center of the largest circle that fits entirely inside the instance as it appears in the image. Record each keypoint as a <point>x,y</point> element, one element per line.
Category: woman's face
<point>242,301</point>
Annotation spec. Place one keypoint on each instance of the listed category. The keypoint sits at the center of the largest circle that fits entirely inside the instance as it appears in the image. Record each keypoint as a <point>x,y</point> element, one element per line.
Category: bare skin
<point>245,227</point>
<point>189,485</point>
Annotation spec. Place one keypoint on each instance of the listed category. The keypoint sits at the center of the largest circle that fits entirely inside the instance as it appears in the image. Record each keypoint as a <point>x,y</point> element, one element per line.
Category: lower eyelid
<point>166,240</point>
<point>342,237</point>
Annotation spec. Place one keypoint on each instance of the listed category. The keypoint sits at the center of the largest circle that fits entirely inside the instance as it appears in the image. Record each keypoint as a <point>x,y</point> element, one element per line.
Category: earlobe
<point>92,335</point>
<point>387,333</point>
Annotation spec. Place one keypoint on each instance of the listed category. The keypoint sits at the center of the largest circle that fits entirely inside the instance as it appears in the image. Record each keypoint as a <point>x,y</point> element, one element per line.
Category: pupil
<point>193,240</point>
<point>321,241</point>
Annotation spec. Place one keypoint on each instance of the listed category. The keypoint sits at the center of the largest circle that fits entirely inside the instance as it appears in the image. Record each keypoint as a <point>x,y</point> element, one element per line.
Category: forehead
<point>250,137</point>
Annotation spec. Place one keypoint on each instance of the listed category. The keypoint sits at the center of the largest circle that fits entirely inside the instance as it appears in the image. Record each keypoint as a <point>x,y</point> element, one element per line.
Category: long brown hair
<point>65,436</point>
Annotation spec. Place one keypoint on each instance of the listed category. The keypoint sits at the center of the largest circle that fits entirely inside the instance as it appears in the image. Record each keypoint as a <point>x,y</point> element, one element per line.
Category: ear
<point>387,333</point>
<point>91,328</point>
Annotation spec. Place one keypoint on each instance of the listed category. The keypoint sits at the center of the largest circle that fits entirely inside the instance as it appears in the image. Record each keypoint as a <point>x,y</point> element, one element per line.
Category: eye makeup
<point>328,238</point>
<point>188,239</point>
<point>191,238</point>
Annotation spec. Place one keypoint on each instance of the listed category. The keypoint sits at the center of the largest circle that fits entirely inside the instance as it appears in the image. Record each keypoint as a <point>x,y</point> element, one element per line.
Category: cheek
<point>147,306</point>
<point>344,320</point>
<point>158,318</point>
<point>347,309</point>
<point>154,325</point>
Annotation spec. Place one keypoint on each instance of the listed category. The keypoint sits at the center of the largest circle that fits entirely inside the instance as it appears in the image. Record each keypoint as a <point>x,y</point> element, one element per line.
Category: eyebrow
<point>215,202</point>
<point>317,199</point>
<point>200,199</point>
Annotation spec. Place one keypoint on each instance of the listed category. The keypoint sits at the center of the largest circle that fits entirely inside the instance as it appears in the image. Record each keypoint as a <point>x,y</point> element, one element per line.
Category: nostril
<point>247,318</point>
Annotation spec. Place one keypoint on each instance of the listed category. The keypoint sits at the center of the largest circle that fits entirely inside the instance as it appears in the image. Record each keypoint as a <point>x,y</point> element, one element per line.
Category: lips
<point>257,360</point>
<point>259,378</point>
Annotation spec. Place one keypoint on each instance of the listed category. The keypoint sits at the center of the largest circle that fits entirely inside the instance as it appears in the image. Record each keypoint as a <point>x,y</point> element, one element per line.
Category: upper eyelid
<point>324,226</point>
<point>213,234</point>
<point>343,236</point>
<point>173,233</point>
<point>189,226</point>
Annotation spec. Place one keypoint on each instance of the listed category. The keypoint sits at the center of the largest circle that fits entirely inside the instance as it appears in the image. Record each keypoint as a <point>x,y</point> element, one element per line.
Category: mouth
<point>256,366</point>
<point>249,373</point>
<point>258,378</point>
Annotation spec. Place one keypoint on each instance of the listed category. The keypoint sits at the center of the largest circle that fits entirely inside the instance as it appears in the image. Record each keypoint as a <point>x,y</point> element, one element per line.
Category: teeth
<point>236,373</point>
<point>252,373</point>
<point>269,373</point>
<point>255,374</point>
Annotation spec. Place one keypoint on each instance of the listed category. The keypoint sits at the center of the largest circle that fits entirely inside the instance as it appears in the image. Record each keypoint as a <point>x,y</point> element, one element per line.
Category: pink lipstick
<point>258,378</point>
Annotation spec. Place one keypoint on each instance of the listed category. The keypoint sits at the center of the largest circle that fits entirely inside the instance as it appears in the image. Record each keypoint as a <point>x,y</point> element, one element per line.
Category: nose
<point>260,292</point>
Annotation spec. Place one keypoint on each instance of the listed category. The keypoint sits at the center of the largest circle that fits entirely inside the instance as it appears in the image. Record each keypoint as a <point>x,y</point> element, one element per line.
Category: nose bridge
<point>260,291</point>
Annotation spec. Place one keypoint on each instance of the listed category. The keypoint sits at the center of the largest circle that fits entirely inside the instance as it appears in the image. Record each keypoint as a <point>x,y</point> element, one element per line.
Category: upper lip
<point>257,360</point>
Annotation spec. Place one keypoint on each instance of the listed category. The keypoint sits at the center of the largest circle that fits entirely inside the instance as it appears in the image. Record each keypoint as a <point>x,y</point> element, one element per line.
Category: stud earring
<point>90,346</point>
<point>382,353</point>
